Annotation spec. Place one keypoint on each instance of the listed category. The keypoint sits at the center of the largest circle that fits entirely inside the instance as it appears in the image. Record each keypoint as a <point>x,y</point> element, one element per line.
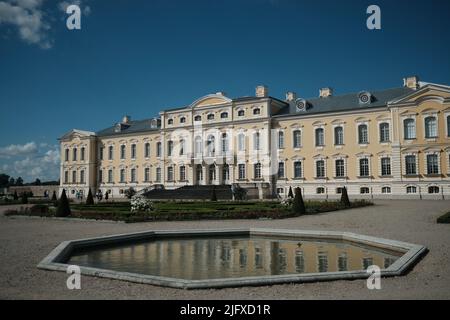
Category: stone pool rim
<point>411,254</point>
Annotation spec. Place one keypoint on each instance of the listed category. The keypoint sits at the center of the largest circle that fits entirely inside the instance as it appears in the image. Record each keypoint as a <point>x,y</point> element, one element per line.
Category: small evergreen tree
<point>298,206</point>
<point>106,195</point>
<point>90,198</point>
<point>213,194</point>
<point>63,209</point>
<point>54,198</point>
<point>344,198</point>
<point>290,194</point>
<point>25,198</point>
<point>15,196</point>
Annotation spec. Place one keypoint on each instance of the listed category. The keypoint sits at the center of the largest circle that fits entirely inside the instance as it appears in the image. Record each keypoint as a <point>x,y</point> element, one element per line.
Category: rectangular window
<point>74,154</point>
<point>122,152</point>
<point>169,148</point>
<point>74,177</point>
<point>409,127</point>
<point>363,135</point>
<point>280,139</point>
<point>297,138</point>
<point>122,175</point>
<point>257,170</point>
<point>66,157</point>
<point>410,165</point>
<point>432,164</point>
<point>158,149</point>
<point>241,169</point>
<point>83,151</point>
<point>183,173</point>
<point>384,132</point>
<point>158,174</point>
<point>101,153</point>
<point>320,169</point>
<point>241,142</point>
<point>340,168</point>
<point>320,139</point>
<point>147,150</point>
<point>82,176</point>
<point>364,167</point>
<point>297,169</point>
<point>133,175</point>
<point>281,170</point>
<point>338,136</point>
<point>66,177</point>
<point>100,176</point>
<point>385,166</point>
<point>110,176</point>
<point>133,151</point>
<point>256,141</point>
<point>147,174</point>
<point>110,152</point>
<point>170,174</point>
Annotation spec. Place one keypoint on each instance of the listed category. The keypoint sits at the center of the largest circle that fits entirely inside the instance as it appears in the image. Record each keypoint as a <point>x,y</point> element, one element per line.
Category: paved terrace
<point>25,241</point>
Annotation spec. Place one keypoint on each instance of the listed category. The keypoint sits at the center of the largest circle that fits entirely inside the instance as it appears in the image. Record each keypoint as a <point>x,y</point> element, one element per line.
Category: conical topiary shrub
<point>54,198</point>
<point>344,198</point>
<point>290,194</point>
<point>213,194</point>
<point>24,198</point>
<point>90,198</point>
<point>63,209</point>
<point>106,195</point>
<point>298,206</point>
<point>15,196</point>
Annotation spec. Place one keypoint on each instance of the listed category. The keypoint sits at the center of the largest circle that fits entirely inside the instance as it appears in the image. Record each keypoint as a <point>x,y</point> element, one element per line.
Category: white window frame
<point>438,156</point>
<point>293,138</point>
<point>363,123</point>
<point>436,119</point>
<point>334,135</point>
<point>416,157</point>
<point>410,117</point>
<point>389,131</point>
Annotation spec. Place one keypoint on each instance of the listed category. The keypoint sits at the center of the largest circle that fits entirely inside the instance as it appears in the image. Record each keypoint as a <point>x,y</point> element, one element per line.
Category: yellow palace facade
<point>392,143</point>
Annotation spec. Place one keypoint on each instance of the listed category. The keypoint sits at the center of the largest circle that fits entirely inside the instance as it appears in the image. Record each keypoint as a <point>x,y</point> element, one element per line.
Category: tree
<point>130,192</point>
<point>298,206</point>
<point>63,209</point>
<point>12,181</point>
<point>213,194</point>
<point>37,182</point>
<point>54,198</point>
<point>24,197</point>
<point>4,180</point>
<point>19,181</point>
<point>290,194</point>
<point>344,198</point>
<point>15,196</point>
<point>90,198</point>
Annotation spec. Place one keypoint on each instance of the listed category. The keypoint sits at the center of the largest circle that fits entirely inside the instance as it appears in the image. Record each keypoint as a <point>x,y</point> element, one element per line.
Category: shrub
<point>15,196</point>
<point>130,192</point>
<point>239,193</point>
<point>290,194</point>
<point>298,206</point>
<point>106,195</point>
<point>213,194</point>
<point>90,198</point>
<point>39,208</point>
<point>141,204</point>
<point>444,218</point>
<point>344,198</point>
<point>63,209</point>
<point>54,198</point>
<point>24,198</point>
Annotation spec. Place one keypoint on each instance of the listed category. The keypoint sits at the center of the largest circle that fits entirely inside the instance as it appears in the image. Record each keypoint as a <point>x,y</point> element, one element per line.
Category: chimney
<point>291,96</point>
<point>326,92</point>
<point>262,91</point>
<point>411,82</point>
<point>126,119</point>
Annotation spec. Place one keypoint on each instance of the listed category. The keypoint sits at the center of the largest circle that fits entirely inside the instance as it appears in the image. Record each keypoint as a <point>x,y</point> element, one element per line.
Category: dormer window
<point>364,97</point>
<point>256,111</point>
<point>183,120</point>
<point>170,122</point>
<point>300,105</point>
<point>224,115</point>
<point>241,113</point>
<point>210,116</point>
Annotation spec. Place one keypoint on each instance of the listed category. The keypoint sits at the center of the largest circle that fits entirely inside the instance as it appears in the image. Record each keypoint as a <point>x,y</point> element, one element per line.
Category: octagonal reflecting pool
<point>232,257</point>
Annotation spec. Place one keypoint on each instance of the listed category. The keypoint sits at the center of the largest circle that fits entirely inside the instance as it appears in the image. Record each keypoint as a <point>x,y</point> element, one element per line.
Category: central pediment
<point>210,100</point>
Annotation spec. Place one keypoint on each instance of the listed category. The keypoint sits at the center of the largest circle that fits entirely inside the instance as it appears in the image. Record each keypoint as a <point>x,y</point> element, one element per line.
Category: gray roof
<point>348,102</point>
<point>134,126</point>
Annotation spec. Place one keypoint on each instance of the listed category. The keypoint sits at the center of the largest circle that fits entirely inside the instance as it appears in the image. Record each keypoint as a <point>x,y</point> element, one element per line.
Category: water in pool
<point>215,258</point>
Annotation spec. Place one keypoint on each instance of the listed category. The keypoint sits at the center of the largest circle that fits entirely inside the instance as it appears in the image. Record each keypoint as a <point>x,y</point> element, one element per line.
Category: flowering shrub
<point>141,204</point>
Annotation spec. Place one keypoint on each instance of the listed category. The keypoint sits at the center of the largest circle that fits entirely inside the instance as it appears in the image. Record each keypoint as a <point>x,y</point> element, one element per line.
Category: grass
<point>168,211</point>
<point>445,218</point>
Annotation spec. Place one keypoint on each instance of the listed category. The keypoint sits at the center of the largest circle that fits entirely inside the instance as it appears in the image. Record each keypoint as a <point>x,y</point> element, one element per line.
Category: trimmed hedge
<point>445,218</point>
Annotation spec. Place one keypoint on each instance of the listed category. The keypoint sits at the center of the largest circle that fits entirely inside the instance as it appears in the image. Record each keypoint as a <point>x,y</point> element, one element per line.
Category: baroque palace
<point>393,143</point>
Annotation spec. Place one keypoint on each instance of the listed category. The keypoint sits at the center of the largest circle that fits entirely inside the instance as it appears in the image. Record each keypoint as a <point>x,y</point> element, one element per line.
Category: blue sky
<point>138,57</point>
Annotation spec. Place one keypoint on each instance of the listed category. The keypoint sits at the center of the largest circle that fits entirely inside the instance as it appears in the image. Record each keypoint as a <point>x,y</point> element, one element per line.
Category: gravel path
<point>25,241</point>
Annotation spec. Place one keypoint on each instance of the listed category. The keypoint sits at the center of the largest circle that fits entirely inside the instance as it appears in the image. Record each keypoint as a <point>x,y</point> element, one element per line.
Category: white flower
<point>141,204</point>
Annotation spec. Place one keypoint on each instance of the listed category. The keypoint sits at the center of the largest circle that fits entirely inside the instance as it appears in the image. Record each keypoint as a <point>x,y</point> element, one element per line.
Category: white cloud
<point>17,149</point>
<point>28,18</point>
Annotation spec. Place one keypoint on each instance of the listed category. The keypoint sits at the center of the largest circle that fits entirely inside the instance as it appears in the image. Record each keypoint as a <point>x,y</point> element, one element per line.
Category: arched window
<point>338,136</point>
<point>210,146</point>
<point>74,154</point>
<point>411,189</point>
<point>147,150</point>
<point>224,143</point>
<point>320,139</point>
<point>364,190</point>
<point>241,113</point>
<point>384,132</point>
<point>198,118</point>
<point>386,190</point>
<point>430,127</point>
<point>409,127</point>
<point>66,157</point>
<point>241,142</point>
<point>280,139</point>
<point>122,152</point>
<point>297,138</point>
<point>210,116</point>
<point>182,148</point>
<point>224,115</point>
<point>110,152</point>
<point>320,190</point>
<point>256,111</point>
<point>198,145</point>
<point>133,151</point>
<point>170,121</point>
<point>363,137</point>
<point>183,120</point>
<point>433,189</point>
<point>169,148</point>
